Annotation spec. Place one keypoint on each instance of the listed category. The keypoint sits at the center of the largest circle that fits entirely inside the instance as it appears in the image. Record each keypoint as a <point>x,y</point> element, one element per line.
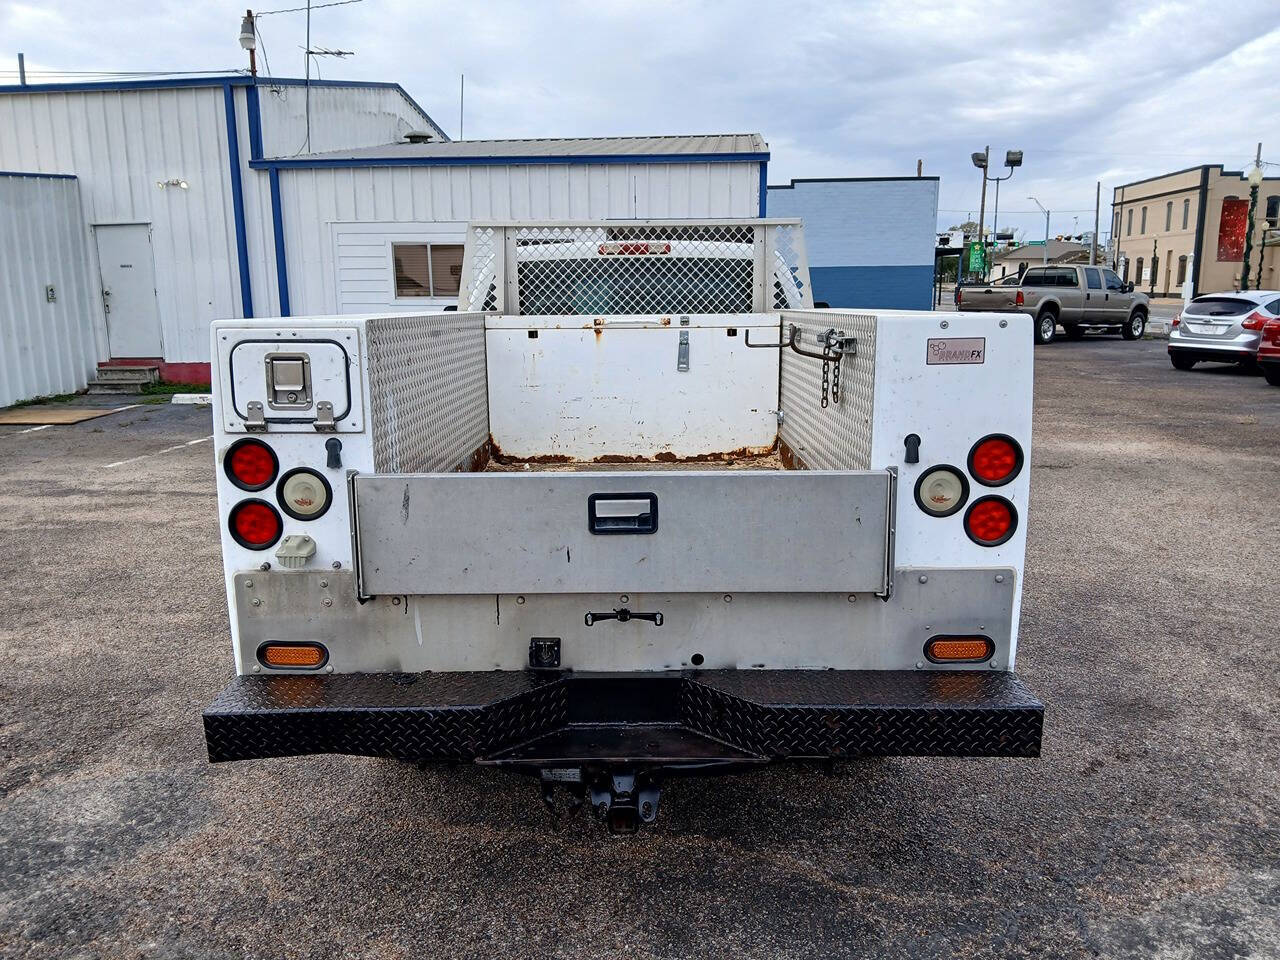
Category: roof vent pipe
<point>418,136</point>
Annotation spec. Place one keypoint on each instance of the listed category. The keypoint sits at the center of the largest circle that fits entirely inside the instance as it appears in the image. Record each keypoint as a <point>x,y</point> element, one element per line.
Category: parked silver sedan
<point>1223,327</point>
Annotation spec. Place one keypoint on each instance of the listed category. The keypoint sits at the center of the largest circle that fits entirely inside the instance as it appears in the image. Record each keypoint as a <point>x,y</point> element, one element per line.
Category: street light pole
<point>1012,160</point>
<point>1255,181</point>
<point>1046,228</point>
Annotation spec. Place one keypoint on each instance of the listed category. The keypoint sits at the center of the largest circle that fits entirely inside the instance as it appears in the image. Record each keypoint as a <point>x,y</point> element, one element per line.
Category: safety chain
<point>831,378</point>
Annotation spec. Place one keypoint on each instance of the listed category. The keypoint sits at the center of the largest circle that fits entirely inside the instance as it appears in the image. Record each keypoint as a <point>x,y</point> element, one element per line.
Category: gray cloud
<point>1089,90</point>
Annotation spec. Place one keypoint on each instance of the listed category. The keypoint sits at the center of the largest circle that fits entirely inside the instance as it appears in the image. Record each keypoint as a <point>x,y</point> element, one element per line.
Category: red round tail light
<point>990,521</point>
<point>995,460</point>
<point>250,464</point>
<point>255,524</point>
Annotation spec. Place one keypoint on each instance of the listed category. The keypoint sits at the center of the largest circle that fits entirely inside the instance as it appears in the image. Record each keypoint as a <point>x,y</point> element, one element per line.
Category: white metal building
<point>214,197</point>
<point>344,214</point>
<point>166,189</point>
<point>47,344</point>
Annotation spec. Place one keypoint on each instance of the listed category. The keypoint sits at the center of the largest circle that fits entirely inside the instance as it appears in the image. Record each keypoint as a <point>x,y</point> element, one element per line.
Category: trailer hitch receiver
<point>625,800</point>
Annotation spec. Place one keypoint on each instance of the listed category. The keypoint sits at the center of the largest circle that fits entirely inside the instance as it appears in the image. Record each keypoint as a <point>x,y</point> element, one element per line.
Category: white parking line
<point>176,446</point>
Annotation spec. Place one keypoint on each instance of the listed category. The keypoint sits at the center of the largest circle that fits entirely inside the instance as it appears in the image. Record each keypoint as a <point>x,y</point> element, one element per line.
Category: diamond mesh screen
<point>428,389</point>
<point>645,267</point>
<point>837,437</point>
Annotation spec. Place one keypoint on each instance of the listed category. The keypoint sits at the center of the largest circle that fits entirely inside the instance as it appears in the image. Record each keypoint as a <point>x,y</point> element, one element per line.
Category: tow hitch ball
<point>621,801</point>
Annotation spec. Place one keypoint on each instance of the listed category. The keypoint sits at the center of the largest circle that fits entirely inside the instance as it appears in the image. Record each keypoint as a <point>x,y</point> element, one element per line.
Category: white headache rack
<point>630,267</point>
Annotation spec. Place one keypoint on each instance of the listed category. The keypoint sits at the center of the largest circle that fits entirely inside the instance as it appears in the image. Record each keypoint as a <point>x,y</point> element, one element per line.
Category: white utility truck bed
<point>635,509</point>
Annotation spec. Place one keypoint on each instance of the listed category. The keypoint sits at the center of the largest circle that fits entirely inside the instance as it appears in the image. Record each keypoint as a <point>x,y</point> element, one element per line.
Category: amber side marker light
<point>959,649</point>
<point>293,656</point>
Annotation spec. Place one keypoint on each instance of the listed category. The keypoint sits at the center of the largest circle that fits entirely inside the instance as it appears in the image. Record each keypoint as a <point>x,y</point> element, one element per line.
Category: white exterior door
<point>129,289</point>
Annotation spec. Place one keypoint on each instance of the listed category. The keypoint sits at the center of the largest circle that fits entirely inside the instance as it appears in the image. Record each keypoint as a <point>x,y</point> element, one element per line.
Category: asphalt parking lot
<point>1149,828</point>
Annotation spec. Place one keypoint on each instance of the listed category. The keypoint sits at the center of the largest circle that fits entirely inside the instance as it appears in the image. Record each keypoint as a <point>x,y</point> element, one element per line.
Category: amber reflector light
<point>959,649</point>
<point>296,656</point>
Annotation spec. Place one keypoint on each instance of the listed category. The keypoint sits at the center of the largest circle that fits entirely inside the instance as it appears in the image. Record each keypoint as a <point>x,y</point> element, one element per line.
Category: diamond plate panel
<point>428,391</point>
<point>456,716</point>
<point>772,714</point>
<point>866,713</point>
<point>837,437</point>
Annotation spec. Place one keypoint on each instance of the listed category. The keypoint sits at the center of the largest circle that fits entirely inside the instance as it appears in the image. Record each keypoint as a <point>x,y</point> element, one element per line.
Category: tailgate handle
<point>622,512</point>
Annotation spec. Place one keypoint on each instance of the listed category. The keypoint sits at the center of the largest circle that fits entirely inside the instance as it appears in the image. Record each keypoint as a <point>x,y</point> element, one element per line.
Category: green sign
<point>976,264</point>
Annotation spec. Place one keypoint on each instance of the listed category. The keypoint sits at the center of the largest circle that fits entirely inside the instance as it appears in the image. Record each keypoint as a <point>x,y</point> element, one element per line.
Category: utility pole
<point>1097,210</point>
<point>982,204</point>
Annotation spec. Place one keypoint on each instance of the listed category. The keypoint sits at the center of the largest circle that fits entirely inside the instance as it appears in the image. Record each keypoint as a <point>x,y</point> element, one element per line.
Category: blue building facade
<point>870,240</point>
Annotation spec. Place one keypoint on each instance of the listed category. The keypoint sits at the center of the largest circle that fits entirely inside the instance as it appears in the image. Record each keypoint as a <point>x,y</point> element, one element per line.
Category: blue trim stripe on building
<point>906,287</point>
<point>255,123</point>
<point>277,226</point>
<point>237,200</point>
<point>37,176</point>
<point>764,186</point>
<point>300,163</point>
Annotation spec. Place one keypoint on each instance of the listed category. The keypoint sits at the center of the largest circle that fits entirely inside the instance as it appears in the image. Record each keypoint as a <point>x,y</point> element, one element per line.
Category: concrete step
<point>128,374</point>
<point>116,386</point>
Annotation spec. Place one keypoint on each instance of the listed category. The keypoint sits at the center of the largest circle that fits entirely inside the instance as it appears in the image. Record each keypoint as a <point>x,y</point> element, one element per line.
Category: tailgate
<point>659,531</point>
<point>987,298</point>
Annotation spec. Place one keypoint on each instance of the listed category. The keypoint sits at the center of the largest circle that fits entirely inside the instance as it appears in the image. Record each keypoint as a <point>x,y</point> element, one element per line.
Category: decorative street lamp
<point>1255,181</point>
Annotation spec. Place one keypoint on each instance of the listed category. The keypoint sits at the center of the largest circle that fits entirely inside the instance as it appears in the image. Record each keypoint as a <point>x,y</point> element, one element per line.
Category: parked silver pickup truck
<point>1081,299</point>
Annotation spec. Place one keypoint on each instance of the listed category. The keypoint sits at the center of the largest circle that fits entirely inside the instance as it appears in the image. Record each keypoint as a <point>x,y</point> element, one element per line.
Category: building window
<point>1182,270</point>
<point>1168,216</point>
<point>1273,211</point>
<point>1186,213</point>
<point>1143,229</point>
<point>1137,271</point>
<point>1128,232</point>
<point>427,269</point>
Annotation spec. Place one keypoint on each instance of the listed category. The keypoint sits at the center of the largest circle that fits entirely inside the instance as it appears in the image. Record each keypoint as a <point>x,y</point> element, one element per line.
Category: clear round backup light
<point>304,494</point>
<point>941,491</point>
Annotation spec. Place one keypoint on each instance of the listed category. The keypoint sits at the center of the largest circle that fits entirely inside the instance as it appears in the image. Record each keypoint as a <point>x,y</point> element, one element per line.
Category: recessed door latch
<point>288,381</point>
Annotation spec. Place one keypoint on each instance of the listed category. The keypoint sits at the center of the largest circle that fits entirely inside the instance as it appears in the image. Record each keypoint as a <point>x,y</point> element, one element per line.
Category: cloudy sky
<point>1089,91</point>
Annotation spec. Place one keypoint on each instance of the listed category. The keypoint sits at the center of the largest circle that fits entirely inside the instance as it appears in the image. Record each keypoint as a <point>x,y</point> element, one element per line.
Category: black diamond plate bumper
<point>725,716</point>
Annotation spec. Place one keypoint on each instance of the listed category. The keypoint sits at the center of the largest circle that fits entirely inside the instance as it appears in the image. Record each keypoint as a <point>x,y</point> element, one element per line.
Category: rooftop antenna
<point>462,94</point>
<point>22,70</point>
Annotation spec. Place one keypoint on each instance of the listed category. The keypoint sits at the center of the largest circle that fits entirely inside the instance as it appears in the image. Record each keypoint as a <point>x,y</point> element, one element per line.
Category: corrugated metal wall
<point>45,347</point>
<point>341,118</point>
<point>120,143</point>
<point>315,199</point>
